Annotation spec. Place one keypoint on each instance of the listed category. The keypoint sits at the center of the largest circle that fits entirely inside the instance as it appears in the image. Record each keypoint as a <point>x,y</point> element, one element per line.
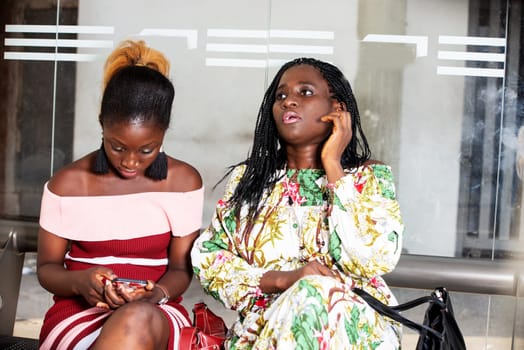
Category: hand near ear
<point>339,138</point>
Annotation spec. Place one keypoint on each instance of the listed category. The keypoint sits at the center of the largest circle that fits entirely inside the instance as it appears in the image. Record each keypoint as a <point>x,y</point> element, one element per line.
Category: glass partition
<point>437,84</point>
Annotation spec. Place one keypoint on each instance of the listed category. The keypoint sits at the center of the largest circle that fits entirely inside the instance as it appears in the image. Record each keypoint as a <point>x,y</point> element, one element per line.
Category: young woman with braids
<point>126,210</point>
<point>306,217</point>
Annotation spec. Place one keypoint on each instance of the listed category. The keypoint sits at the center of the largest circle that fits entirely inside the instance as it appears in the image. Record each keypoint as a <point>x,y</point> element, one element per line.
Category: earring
<point>158,169</point>
<point>101,165</point>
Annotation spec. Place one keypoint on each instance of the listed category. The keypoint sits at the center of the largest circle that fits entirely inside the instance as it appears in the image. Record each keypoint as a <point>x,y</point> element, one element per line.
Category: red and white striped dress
<point>129,234</point>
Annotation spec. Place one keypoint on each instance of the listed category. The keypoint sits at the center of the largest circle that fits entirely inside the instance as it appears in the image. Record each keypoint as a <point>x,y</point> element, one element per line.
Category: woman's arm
<point>279,281</point>
<point>53,276</point>
<point>179,271</point>
<point>365,222</point>
<point>182,178</point>
<point>223,272</point>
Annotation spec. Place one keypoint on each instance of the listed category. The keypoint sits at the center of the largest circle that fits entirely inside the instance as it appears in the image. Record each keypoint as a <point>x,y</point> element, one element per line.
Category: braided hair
<point>267,155</point>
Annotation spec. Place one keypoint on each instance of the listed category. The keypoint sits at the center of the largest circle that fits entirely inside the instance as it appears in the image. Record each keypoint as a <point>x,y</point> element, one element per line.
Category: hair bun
<point>134,53</point>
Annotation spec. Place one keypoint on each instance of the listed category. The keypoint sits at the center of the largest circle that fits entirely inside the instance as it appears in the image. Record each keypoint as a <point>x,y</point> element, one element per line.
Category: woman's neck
<point>305,157</point>
<point>303,162</point>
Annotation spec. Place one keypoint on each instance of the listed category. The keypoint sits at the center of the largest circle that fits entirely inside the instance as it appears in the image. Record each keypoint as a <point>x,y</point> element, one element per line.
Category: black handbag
<point>439,330</point>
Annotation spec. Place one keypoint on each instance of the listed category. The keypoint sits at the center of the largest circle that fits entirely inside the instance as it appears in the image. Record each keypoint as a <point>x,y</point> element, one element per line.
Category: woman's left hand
<point>340,136</point>
<point>118,295</point>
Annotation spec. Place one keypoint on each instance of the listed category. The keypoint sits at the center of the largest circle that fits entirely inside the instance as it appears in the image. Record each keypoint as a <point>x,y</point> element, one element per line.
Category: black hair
<point>267,155</point>
<point>137,94</point>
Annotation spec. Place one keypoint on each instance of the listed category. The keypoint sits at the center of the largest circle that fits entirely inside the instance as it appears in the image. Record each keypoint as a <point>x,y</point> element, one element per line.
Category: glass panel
<point>217,89</point>
<point>486,321</point>
<point>518,340</point>
<point>436,103</point>
<point>437,84</point>
<point>34,104</point>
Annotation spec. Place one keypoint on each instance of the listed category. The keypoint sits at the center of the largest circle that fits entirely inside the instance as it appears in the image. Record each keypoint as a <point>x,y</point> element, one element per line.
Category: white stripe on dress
<point>107,260</point>
<point>178,320</point>
<point>59,328</point>
<point>78,329</point>
<point>88,340</point>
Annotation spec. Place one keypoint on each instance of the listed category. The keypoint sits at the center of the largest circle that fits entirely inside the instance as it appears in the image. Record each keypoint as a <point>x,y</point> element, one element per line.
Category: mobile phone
<point>129,282</point>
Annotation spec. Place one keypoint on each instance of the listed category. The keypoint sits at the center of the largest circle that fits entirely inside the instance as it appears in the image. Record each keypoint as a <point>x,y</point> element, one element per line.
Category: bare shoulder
<point>182,176</point>
<point>373,161</point>
<point>72,179</point>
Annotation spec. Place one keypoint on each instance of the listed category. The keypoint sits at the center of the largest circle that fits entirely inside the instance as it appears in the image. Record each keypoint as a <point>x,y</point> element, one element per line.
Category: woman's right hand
<point>119,295</point>
<point>279,281</point>
<point>91,284</point>
<point>314,268</point>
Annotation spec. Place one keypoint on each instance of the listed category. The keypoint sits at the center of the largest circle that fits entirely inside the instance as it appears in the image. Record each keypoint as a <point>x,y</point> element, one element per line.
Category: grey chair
<point>18,237</point>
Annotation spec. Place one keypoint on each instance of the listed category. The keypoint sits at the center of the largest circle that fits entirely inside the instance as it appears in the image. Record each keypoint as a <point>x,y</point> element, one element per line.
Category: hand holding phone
<point>129,283</point>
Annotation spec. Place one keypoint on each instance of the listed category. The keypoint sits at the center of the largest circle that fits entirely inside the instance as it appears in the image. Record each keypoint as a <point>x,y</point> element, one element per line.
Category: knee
<point>140,316</point>
<point>137,325</point>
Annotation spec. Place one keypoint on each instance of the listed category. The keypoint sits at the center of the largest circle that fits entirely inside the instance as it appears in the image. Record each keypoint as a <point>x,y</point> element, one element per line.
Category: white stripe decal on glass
<point>471,56</point>
<point>55,43</point>
<point>41,56</point>
<point>302,34</point>
<point>471,40</point>
<point>421,42</point>
<point>273,33</point>
<point>236,48</point>
<point>237,33</point>
<point>190,35</point>
<point>470,72</point>
<point>246,63</point>
<point>304,49</point>
<point>244,48</point>
<point>26,28</point>
<point>59,42</point>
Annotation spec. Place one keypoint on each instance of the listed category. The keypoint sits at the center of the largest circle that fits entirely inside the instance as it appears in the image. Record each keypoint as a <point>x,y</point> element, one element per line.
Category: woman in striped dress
<point>126,210</point>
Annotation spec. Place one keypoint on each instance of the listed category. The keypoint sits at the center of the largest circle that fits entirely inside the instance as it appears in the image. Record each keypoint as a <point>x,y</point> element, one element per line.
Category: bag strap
<point>393,311</point>
<point>416,302</point>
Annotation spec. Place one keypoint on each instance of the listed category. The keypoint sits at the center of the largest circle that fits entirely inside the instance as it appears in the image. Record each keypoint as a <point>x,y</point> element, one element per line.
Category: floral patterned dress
<point>354,227</point>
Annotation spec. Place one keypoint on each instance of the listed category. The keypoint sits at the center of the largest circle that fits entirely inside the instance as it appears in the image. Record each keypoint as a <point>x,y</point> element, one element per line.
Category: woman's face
<point>132,147</point>
<point>302,98</point>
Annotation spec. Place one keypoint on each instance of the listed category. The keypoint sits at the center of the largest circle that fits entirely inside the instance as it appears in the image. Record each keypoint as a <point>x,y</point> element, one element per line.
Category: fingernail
<point>102,305</point>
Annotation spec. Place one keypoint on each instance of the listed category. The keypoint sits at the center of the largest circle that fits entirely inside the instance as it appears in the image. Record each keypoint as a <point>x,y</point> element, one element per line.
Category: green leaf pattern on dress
<point>306,325</point>
<point>356,230</point>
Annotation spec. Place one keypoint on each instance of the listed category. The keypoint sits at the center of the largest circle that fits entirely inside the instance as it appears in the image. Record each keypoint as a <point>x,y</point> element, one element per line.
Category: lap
<point>324,311</point>
<point>74,321</point>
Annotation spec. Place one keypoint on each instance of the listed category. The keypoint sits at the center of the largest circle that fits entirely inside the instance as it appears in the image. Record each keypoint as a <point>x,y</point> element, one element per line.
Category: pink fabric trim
<point>98,218</point>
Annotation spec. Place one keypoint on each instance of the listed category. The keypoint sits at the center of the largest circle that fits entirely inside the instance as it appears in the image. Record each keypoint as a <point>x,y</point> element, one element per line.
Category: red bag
<point>208,331</point>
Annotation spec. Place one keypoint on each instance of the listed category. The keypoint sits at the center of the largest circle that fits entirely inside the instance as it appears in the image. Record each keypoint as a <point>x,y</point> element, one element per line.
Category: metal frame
<point>479,276</point>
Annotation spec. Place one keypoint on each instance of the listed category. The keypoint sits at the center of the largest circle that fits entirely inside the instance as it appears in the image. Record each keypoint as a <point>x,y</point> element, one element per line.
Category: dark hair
<point>137,93</point>
<point>267,155</point>
<point>136,90</point>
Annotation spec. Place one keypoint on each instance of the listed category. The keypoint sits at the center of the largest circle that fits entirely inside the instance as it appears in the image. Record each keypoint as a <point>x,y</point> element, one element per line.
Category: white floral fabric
<point>354,227</point>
